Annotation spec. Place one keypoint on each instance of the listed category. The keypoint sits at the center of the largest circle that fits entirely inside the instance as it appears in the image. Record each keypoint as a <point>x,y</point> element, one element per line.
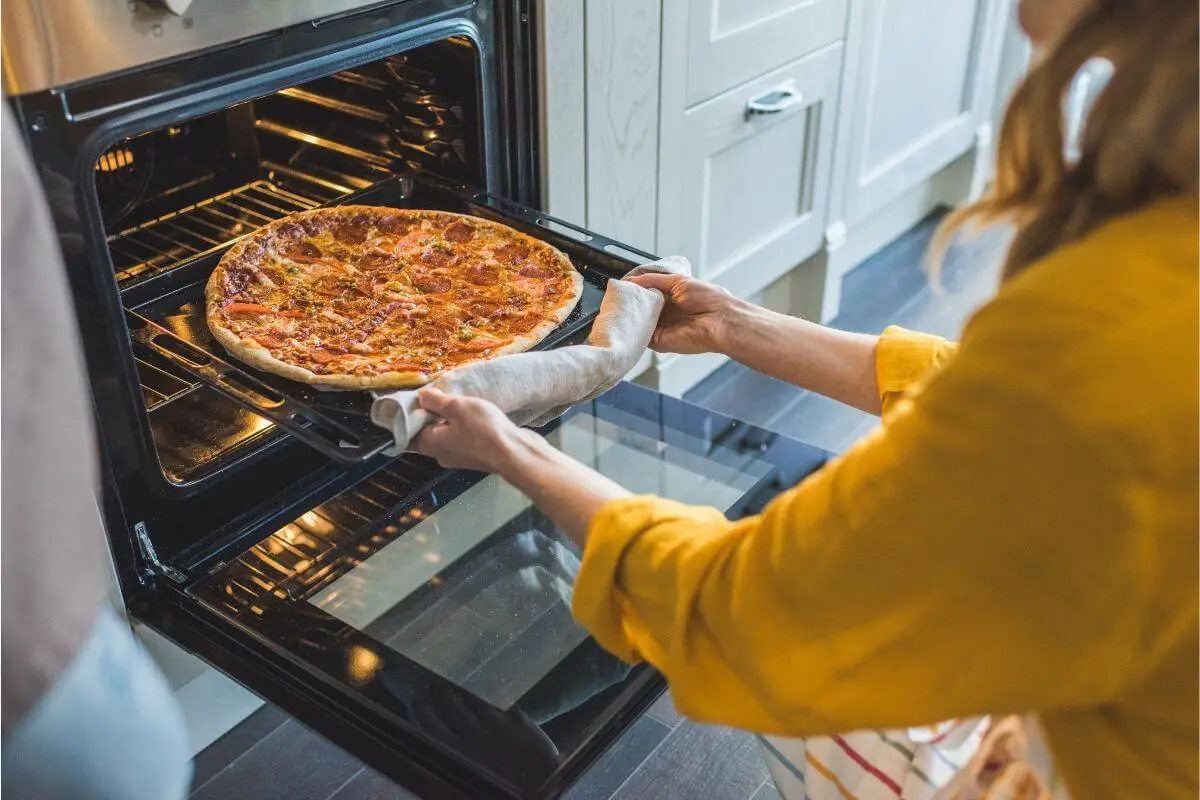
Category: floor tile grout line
<point>670,732</point>
<point>345,783</point>
<point>242,755</point>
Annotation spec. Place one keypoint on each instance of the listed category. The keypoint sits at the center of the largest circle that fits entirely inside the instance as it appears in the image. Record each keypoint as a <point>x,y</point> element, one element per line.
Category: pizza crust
<point>249,351</point>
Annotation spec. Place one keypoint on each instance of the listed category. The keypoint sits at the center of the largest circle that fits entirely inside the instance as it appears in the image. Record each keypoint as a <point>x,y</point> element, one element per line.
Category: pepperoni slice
<point>524,324</point>
<point>539,271</point>
<point>394,224</point>
<point>432,284</point>
<point>324,356</point>
<point>482,275</point>
<point>303,252</point>
<point>512,253</point>
<point>270,339</point>
<point>353,230</point>
<point>437,258</point>
<point>459,231</point>
<point>483,309</point>
<point>376,260</point>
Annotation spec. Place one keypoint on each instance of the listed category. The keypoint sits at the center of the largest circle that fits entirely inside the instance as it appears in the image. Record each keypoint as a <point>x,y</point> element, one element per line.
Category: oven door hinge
<point>150,556</point>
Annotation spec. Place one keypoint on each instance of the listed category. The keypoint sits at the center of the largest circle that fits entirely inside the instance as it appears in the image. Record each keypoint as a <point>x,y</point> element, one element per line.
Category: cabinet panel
<point>746,199</point>
<point>731,41</point>
<point>621,137</point>
<point>910,98</point>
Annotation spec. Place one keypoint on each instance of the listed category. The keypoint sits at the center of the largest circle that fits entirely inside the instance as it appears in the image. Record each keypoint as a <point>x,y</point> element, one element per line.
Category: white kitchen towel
<point>534,388</point>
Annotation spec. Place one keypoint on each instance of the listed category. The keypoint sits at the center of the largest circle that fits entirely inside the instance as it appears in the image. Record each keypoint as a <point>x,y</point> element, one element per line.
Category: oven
<point>418,617</point>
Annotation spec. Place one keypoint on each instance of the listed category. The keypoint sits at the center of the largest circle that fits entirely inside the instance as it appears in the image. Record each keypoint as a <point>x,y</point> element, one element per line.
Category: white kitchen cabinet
<point>883,112</point>
<point>733,41</point>
<point>912,101</point>
<point>744,197</point>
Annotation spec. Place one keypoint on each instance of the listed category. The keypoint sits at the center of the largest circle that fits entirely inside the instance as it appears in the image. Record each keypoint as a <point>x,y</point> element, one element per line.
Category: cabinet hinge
<point>150,556</point>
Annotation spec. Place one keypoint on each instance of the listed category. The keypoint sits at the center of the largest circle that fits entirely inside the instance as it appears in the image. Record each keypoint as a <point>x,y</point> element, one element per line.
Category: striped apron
<point>975,759</point>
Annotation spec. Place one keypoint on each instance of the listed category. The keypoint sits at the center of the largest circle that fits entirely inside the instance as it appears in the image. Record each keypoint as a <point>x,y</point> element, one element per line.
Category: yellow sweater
<point>1020,536</point>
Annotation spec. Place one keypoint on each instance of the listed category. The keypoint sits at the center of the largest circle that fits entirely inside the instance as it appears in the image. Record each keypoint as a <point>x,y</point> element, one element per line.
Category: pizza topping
<point>459,232</point>
<point>482,274</point>
<point>270,276</point>
<point>304,252</point>
<point>482,309</point>
<point>518,300</point>
<point>248,308</point>
<point>437,257</point>
<point>512,253</point>
<point>377,261</point>
<point>394,224</point>
<point>324,356</point>
<point>539,271</point>
<point>432,283</point>
<point>271,338</point>
<point>524,324</point>
<point>353,231</point>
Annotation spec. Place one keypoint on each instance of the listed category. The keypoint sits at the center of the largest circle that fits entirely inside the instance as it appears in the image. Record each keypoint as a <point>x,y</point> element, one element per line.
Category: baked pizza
<point>363,297</point>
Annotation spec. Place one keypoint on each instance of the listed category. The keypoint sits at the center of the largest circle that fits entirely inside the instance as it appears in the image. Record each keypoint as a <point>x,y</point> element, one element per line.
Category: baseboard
<point>213,705</point>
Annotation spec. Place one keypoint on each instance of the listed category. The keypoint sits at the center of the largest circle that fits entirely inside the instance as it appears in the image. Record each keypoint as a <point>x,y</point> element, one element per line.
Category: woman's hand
<point>694,317</point>
<point>468,434</point>
<point>474,434</point>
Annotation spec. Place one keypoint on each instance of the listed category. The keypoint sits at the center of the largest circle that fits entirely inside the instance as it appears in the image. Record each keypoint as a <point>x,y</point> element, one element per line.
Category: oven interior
<point>173,199</point>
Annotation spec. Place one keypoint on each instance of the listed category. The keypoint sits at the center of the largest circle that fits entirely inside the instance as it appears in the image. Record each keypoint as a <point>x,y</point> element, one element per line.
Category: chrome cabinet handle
<point>774,101</point>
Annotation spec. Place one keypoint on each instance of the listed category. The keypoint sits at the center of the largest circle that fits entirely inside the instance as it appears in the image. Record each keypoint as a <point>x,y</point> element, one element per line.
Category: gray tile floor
<point>661,756</point>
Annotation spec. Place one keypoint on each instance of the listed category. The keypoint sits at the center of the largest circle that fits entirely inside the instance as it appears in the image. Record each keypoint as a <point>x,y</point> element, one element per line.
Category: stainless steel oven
<point>416,616</point>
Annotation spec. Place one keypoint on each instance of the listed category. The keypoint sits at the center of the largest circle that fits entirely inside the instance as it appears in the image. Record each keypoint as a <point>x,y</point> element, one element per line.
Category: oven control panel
<point>54,44</point>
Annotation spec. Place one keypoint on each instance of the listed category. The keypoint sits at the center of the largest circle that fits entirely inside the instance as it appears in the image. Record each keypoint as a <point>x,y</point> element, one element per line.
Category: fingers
<point>661,281</point>
<point>428,441</point>
<point>435,401</point>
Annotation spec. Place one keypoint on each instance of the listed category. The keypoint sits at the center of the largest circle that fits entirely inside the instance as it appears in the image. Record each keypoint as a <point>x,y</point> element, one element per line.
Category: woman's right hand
<point>694,317</point>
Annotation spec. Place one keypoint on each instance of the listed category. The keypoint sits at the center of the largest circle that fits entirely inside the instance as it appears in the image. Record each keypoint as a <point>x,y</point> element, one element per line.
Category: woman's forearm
<point>570,493</point>
<point>824,360</point>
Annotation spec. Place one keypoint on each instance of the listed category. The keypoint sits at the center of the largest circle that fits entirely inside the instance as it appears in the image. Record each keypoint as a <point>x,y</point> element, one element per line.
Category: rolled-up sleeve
<point>904,358</point>
<point>850,601</point>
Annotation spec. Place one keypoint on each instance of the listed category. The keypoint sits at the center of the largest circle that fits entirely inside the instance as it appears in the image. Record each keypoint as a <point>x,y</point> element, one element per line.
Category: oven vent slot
<point>196,230</point>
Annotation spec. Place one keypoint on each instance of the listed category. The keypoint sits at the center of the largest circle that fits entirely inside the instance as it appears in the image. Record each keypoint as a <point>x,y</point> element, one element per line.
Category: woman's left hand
<point>468,434</point>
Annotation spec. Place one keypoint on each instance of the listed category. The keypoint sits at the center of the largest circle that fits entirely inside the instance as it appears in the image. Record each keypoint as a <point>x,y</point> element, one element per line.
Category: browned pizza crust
<point>401,279</point>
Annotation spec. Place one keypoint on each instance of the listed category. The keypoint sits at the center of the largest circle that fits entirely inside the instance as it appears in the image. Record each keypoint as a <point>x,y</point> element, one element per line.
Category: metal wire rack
<point>196,230</point>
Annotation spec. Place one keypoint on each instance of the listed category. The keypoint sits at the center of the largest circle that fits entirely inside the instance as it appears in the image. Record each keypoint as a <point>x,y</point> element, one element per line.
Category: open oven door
<point>420,618</point>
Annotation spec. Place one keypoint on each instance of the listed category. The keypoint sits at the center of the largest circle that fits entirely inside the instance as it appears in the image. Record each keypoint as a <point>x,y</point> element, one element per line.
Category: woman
<point>1020,537</point>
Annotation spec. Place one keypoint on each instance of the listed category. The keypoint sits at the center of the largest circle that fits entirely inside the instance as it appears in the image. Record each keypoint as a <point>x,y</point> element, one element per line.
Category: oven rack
<point>163,243</point>
<point>317,547</point>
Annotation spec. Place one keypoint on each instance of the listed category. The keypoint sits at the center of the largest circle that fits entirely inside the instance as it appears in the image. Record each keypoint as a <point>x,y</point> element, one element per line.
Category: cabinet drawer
<point>732,41</point>
<point>745,196</point>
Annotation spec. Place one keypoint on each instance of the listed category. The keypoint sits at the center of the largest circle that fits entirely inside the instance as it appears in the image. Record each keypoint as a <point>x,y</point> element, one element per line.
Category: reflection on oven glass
<point>479,592</point>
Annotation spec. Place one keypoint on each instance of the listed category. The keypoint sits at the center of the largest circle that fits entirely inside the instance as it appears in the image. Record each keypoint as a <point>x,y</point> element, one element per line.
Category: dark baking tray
<point>166,317</point>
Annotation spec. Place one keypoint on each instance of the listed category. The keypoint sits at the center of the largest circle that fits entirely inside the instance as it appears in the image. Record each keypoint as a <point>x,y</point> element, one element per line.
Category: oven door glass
<point>444,605</point>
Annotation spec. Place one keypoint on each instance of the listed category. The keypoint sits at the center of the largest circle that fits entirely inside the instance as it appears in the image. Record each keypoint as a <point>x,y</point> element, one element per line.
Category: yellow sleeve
<point>904,358</point>
<point>958,561</point>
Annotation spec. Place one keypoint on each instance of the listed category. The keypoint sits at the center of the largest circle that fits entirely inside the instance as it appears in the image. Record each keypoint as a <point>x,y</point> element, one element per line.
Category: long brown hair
<point>1139,142</point>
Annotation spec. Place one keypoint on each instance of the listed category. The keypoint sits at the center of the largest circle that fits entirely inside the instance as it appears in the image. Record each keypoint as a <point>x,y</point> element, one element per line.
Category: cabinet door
<point>745,196</point>
<point>910,106</point>
<point>732,41</point>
